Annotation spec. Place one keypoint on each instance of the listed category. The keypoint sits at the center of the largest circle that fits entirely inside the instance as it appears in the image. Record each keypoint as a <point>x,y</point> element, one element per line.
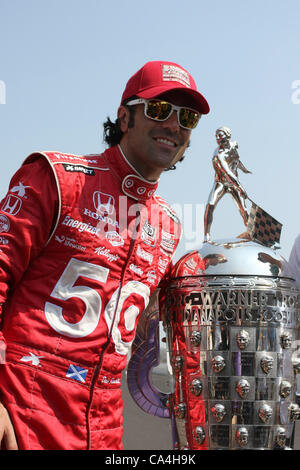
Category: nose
<point>172,122</point>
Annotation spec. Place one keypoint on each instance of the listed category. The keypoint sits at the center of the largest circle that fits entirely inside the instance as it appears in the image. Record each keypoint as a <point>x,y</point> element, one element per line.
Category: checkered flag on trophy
<point>262,227</point>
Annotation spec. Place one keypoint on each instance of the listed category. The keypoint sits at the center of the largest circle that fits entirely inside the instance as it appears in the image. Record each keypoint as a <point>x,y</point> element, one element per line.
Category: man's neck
<point>151,180</point>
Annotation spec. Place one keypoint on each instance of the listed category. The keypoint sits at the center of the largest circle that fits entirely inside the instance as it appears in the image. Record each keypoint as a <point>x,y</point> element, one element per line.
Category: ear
<point>123,116</point>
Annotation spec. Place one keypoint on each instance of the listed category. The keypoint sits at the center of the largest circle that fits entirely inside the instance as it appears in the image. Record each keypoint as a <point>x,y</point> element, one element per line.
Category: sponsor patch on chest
<point>167,243</point>
<point>148,234</point>
<point>143,254</point>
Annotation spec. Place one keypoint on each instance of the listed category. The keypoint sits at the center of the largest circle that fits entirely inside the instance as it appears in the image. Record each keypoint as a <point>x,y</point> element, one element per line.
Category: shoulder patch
<point>71,162</point>
<point>75,168</point>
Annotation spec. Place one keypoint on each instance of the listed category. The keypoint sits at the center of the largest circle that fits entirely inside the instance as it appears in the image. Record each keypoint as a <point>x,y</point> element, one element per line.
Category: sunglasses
<point>160,110</point>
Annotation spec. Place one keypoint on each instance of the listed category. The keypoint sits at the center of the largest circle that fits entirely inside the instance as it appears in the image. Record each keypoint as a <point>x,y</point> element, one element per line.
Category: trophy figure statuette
<point>226,163</point>
<point>260,226</point>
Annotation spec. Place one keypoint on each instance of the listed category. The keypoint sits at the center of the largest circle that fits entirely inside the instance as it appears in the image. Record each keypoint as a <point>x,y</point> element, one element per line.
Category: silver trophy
<point>231,320</point>
<point>235,294</point>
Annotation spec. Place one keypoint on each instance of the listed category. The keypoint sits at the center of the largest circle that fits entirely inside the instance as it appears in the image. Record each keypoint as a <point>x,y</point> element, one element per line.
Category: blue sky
<point>65,64</point>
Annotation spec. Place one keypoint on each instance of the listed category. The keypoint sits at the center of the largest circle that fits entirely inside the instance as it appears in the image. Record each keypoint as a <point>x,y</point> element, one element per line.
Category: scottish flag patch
<point>76,373</point>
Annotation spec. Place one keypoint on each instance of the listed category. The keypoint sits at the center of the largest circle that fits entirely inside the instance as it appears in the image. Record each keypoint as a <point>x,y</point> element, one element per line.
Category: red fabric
<point>158,77</point>
<point>29,230</point>
<point>75,275</point>
<point>2,348</point>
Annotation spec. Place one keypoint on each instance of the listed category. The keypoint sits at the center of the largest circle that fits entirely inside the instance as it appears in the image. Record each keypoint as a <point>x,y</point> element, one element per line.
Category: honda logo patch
<point>104,203</point>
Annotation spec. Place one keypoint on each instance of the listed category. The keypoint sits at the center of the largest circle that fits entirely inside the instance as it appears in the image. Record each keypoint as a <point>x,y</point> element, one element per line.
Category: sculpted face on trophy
<point>196,338</point>
<point>265,413</point>
<point>218,364</point>
<point>286,340</point>
<point>199,434</point>
<point>196,387</point>
<point>178,363</point>
<point>180,410</point>
<point>266,364</point>
<point>285,389</point>
<point>243,388</point>
<point>296,365</point>
<point>218,412</point>
<point>294,412</point>
<point>280,437</point>
<point>242,436</point>
<point>243,339</point>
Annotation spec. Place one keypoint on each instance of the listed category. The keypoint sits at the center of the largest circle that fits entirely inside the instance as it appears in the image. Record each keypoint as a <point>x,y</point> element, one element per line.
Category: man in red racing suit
<point>85,241</point>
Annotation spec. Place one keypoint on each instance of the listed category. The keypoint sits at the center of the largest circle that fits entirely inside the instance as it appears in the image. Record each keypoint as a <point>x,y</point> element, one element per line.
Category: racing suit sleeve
<point>27,215</point>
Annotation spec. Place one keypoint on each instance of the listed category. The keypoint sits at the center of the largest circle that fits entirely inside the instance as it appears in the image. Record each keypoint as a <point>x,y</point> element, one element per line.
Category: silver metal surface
<point>260,226</point>
<point>226,163</point>
<point>243,388</point>
<point>144,431</point>
<point>218,412</point>
<point>199,434</point>
<point>242,437</point>
<point>237,257</point>
<point>237,375</point>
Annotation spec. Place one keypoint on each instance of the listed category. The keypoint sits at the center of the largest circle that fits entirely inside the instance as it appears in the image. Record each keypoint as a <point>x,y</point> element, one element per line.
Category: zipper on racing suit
<point>99,365</point>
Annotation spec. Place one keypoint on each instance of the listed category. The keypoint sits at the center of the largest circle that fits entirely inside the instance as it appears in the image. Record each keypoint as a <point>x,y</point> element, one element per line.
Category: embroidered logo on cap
<point>171,73</point>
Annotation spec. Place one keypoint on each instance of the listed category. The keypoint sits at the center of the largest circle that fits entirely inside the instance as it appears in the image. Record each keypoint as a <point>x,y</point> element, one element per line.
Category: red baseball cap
<point>158,77</point>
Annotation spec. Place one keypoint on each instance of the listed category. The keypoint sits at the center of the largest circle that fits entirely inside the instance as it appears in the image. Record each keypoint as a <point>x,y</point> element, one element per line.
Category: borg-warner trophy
<point>231,319</point>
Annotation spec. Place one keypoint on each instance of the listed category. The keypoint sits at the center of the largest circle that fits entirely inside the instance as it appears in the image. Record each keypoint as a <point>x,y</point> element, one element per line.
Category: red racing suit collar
<point>132,183</point>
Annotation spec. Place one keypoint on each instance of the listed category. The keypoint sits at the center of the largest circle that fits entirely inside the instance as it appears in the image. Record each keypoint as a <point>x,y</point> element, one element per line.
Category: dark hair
<point>112,133</point>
